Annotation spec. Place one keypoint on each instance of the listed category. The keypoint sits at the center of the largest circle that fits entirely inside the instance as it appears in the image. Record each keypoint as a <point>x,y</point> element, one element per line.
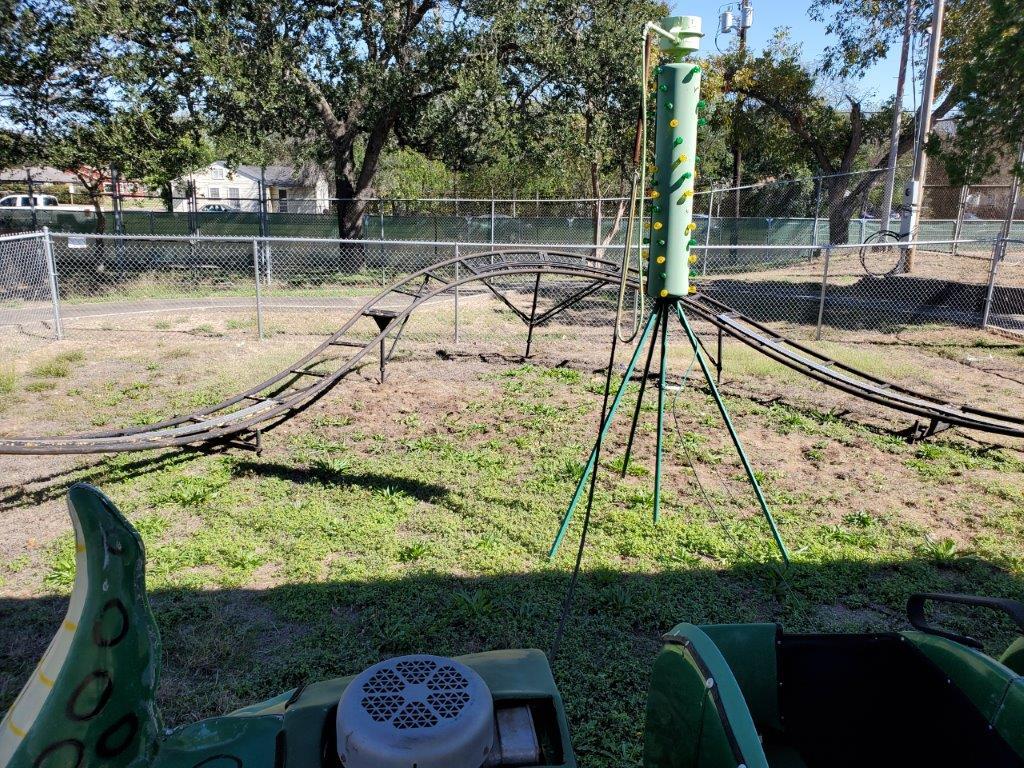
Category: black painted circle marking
<point>52,749</point>
<point>97,626</point>
<point>236,761</point>
<point>129,724</point>
<point>114,545</point>
<point>71,710</point>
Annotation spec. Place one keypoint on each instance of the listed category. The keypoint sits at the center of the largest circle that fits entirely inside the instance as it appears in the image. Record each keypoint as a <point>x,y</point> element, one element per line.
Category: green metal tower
<point>670,242</point>
<point>675,160</point>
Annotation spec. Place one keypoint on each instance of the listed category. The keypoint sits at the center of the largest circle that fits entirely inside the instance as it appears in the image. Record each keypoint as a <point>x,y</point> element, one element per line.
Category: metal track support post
<point>259,291</point>
<point>51,274</point>
<point>533,316</point>
<point>567,517</point>
<point>737,443</point>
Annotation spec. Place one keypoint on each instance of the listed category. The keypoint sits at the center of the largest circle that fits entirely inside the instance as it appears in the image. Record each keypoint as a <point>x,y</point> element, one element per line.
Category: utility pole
<point>897,115</point>
<point>746,17</point>
<point>914,193</point>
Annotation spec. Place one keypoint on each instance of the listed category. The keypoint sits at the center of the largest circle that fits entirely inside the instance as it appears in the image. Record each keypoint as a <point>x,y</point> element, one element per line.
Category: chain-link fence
<point>28,291</point>
<point>807,211</point>
<point>281,285</point>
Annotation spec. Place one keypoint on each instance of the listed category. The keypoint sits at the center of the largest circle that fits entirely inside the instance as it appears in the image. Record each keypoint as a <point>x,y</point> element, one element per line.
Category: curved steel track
<point>245,415</point>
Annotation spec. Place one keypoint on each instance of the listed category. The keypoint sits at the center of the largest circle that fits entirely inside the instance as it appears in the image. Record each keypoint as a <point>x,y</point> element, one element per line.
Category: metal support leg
<point>640,395</point>
<point>567,518</point>
<point>533,316</point>
<point>662,369</point>
<point>732,433</point>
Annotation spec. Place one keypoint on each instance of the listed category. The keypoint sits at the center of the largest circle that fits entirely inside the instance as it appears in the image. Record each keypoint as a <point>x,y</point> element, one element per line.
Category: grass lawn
<point>416,517</point>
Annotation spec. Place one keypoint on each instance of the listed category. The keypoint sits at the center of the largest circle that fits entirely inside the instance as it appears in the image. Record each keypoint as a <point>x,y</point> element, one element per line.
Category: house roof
<point>278,175</point>
<point>39,174</point>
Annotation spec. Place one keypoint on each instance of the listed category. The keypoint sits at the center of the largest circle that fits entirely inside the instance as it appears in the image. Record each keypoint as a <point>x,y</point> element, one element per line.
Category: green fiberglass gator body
<point>721,696</point>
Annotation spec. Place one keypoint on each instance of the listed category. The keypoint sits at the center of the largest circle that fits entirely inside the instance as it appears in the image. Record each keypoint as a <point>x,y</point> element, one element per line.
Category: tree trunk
<point>839,209</point>
<point>350,206</point>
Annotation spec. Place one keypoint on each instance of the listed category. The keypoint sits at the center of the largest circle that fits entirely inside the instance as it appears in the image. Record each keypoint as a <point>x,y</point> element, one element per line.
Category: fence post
<point>993,271</point>
<point>31,199</point>
<point>817,211</point>
<point>824,286</point>
<point>961,205</point>
<point>259,293</point>
<point>51,270</point>
<point>492,222</point>
<point>999,252</point>
<point>707,233</point>
<point>456,294</point>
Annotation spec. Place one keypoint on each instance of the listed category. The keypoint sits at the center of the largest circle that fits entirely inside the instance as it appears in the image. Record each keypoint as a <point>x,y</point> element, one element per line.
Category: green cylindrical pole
<point>675,161</point>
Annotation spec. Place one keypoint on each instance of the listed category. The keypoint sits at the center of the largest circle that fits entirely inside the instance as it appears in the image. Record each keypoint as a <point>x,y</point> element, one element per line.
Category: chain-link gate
<point>28,287</point>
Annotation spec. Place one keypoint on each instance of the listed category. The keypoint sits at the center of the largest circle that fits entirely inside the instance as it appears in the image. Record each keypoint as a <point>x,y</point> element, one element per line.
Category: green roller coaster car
<point>721,696</point>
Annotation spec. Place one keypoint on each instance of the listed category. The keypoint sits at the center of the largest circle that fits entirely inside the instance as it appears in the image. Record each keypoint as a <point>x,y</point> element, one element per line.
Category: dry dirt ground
<point>415,515</point>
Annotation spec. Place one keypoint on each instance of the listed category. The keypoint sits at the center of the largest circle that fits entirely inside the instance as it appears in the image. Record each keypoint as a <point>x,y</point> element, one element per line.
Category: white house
<point>286,189</point>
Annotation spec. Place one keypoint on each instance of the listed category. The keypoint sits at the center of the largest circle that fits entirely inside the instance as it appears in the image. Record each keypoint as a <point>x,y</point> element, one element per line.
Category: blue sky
<point>878,84</point>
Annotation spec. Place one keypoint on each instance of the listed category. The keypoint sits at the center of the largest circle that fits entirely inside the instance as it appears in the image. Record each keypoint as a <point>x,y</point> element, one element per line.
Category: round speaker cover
<point>416,712</point>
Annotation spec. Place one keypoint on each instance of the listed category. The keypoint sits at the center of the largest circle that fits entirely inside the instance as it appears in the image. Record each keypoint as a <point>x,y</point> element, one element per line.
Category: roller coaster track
<point>941,414</point>
<point>241,419</point>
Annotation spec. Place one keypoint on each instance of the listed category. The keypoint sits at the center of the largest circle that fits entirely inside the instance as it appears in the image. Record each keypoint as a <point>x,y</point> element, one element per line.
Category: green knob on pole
<point>669,105</point>
<point>678,141</point>
<point>702,104</point>
<point>661,242</point>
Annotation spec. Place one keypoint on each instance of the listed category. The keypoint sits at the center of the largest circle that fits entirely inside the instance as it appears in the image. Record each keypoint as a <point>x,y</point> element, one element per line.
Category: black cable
<point>571,591</point>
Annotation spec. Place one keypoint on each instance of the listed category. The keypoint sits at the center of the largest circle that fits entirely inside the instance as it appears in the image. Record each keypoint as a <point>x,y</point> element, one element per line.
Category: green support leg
<point>732,433</point>
<point>666,308</point>
<point>567,518</point>
<point>640,396</point>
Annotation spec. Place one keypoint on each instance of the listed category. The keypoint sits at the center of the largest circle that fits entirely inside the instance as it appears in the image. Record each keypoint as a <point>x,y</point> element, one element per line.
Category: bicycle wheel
<point>882,253</point>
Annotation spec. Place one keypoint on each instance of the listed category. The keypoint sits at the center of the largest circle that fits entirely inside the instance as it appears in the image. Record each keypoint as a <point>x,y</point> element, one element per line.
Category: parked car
<point>26,201</point>
<point>218,208</point>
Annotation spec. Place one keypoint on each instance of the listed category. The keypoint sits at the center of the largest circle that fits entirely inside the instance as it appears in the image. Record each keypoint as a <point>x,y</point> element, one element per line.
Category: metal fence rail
<point>58,277</point>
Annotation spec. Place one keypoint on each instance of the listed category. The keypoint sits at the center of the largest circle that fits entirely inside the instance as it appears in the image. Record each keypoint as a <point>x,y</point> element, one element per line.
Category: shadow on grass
<point>323,474</point>
<point>870,303</point>
<point>223,648</point>
<point>54,485</point>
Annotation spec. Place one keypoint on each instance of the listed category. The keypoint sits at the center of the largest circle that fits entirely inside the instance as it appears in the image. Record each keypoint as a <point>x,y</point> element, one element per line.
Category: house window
<point>217,173</point>
<point>214,193</point>
<point>282,201</point>
<point>233,194</point>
